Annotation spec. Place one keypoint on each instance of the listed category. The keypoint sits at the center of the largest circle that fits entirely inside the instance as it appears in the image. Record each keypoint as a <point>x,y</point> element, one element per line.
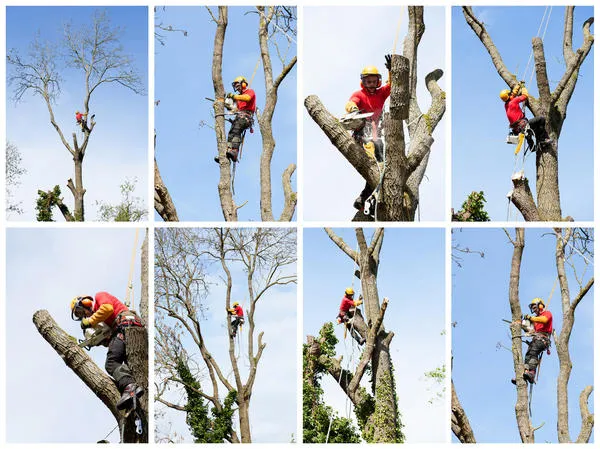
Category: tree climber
<point>82,121</point>
<point>517,120</point>
<point>109,310</point>
<point>245,106</point>
<point>347,308</point>
<point>370,98</point>
<point>238,313</point>
<point>542,326</point>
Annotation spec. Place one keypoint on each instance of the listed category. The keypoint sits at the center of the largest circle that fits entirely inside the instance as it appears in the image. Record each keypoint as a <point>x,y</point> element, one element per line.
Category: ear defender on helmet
<point>78,304</point>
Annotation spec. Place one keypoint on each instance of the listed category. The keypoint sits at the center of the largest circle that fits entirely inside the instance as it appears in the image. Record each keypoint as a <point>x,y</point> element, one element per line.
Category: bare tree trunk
<point>77,189</point>
<point>244,414</point>
<point>224,188</point>
<point>521,407</point>
<point>265,123</point>
<point>562,348</point>
<point>461,427</point>
<point>163,204</point>
<point>137,359</point>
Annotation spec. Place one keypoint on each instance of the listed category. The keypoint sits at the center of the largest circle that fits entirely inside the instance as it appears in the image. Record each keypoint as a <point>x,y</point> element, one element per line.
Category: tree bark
<point>163,204</point>
<point>461,427</point>
<point>521,406</point>
<point>562,344</point>
<point>137,359</point>
<point>265,122</point>
<point>224,187</point>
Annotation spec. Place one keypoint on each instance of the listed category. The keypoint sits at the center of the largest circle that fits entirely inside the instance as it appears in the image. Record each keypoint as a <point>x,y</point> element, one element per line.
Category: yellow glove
<point>370,149</point>
<point>358,303</point>
<point>524,91</point>
<point>351,107</point>
<point>516,89</point>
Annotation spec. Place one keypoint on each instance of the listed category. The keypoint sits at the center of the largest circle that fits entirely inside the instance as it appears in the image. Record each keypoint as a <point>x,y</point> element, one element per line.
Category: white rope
<point>531,52</point>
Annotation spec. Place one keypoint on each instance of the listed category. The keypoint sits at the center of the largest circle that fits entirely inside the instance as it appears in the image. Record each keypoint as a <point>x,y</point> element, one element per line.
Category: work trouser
<point>237,322</point>
<point>242,121</point>
<point>537,125</point>
<point>116,361</point>
<point>345,318</point>
<point>539,343</point>
<point>116,358</point>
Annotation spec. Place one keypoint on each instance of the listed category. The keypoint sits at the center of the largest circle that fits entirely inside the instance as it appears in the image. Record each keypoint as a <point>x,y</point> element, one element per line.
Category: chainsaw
<point>95,336</point>
<point>354,120</point>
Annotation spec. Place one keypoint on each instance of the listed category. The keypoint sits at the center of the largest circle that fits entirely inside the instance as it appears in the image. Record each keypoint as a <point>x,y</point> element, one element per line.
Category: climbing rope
<point>397,31</point>
<point>546,19</point>
<point>129,297</point>
<point>340,377</point>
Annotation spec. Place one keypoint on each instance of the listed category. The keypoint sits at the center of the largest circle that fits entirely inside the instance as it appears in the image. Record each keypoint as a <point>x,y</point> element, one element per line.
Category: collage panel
<point>76,113</point>
<point>530,86</point>
<point>522,335</point>
<point>374,336</point>
<point>374,162</point>
<point>86,352</point>
<point>225,113</point>
<point>225,335</point>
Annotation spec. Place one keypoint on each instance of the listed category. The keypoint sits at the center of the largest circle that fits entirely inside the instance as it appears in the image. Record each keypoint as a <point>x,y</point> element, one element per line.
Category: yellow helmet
<point>537,301</point>
<point>240,80</point>
<point>370,70</point>
<point>235,304</point>
<point>505,94</point>
<point>350,291</point>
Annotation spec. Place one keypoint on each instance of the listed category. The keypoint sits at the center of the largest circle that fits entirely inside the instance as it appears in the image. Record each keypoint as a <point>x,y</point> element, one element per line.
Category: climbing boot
<point>130,390</point>
<point>232,154</point>
<point>217,158</point>
<point>529,375</point>
<point>513,381</point>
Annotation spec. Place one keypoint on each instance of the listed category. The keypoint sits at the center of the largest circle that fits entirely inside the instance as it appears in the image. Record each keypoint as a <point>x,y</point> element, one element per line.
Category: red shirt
<point>79,116</point>
<point>347,304</point>
<point>541,327</point>
<point>247,105</point>
<point>513,109</point>
<point>107,298</point>
<point>368,102</point>
<point>238,311</point>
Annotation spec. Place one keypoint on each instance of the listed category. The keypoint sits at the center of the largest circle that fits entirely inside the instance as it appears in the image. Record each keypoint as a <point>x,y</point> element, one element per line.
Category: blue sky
<point>184,149</point>
<point>46,268</point>
<point>276,378</point>
<point>349,39</point>
<point>118,146</point>
<point>481,158</point>
<point>482,372</point>
<point>411,275</point>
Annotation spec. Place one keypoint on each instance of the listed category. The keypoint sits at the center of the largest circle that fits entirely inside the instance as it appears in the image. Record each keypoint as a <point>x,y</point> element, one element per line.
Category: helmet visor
<point>78,312</point>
